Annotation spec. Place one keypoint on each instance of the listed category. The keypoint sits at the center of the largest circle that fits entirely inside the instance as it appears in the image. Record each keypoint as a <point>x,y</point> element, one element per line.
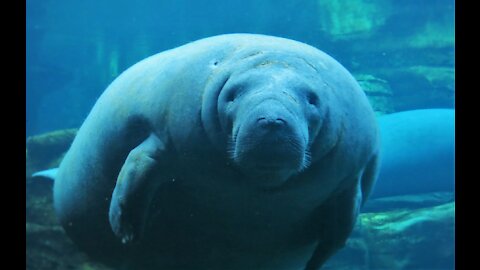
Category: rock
<point>410,48</point>
<point>45,151</point>
<point>39,203</point>
<point>438,77</point>
<point>352,19</point>
<point>378,92</point>
<point>420,86</point>
<point>47,245</point>
<point>436,33</point>
<point>418,239</point>
<point>405,202</point>
<point>402,239</point>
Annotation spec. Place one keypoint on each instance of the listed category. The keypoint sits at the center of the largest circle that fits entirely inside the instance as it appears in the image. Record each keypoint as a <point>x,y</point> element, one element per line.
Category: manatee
<point>418,152</point>
<point>237,151</point>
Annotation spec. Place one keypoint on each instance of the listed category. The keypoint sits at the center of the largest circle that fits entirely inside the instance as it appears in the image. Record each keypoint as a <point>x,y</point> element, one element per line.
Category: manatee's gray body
<point>418,152</point>
<point>232,152</point>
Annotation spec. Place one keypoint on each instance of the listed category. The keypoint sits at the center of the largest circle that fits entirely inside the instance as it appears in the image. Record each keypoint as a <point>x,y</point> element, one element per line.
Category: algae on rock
<point>422,238</point>
<point>47,245</point>
<point>437,76</point>
<point>346,19</point>
<point>378,92</point>
<point>46,150</point>
<point>418,239</point>
<point>420,86</point>
<point>435,34</point>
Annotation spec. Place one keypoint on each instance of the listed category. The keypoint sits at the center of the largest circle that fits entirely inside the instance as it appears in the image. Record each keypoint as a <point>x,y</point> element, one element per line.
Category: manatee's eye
<point>312,99</point>
<point>231,95</point>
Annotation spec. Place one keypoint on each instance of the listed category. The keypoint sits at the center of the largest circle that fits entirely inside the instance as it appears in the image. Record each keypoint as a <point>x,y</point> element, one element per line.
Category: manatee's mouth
<point>268,167</point>
<point>273,156</point>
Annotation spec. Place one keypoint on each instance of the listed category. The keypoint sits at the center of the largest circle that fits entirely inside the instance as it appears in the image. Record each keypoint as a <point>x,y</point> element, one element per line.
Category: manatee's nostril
<point>271,122</point>
<point>261,119</point>
<point>280,121</point>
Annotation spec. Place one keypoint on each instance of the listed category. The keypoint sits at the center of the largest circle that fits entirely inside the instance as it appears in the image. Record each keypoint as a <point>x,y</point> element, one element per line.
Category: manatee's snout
<point>270,139</point>
<point>271,120</point>
<point>273,142</point>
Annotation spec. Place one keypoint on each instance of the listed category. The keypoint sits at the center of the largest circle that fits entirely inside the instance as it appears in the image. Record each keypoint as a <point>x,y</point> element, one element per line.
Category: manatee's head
<point>269,115</point>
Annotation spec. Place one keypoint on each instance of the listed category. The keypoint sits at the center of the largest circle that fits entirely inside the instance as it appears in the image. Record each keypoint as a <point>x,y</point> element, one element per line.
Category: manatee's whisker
<point>294,142</point>
<point>307,159</point>
<point>231,146</point>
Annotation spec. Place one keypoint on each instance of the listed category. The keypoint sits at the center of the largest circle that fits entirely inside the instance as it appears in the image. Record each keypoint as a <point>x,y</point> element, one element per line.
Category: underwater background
<point>401,52</point>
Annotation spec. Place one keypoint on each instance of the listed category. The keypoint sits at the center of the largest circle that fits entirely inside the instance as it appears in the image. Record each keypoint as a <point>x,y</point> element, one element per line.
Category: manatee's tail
<point>48,174</point>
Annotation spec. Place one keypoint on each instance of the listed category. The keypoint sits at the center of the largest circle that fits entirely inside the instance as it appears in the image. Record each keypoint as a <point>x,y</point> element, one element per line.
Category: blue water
<point>75,49</point>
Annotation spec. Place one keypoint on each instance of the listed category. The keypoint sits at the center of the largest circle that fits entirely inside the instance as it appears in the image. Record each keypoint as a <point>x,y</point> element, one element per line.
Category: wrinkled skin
<point>233,152</point>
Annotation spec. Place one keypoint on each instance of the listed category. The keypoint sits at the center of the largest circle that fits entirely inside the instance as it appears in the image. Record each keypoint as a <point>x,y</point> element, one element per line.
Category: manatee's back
<point>118,122</point>
<point>418,150</point>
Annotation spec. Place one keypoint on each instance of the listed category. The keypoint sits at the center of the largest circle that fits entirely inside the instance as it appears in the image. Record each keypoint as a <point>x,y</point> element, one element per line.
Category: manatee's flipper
<point>333,222</point>
<point>48,174</point>
<point>134,190</point>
